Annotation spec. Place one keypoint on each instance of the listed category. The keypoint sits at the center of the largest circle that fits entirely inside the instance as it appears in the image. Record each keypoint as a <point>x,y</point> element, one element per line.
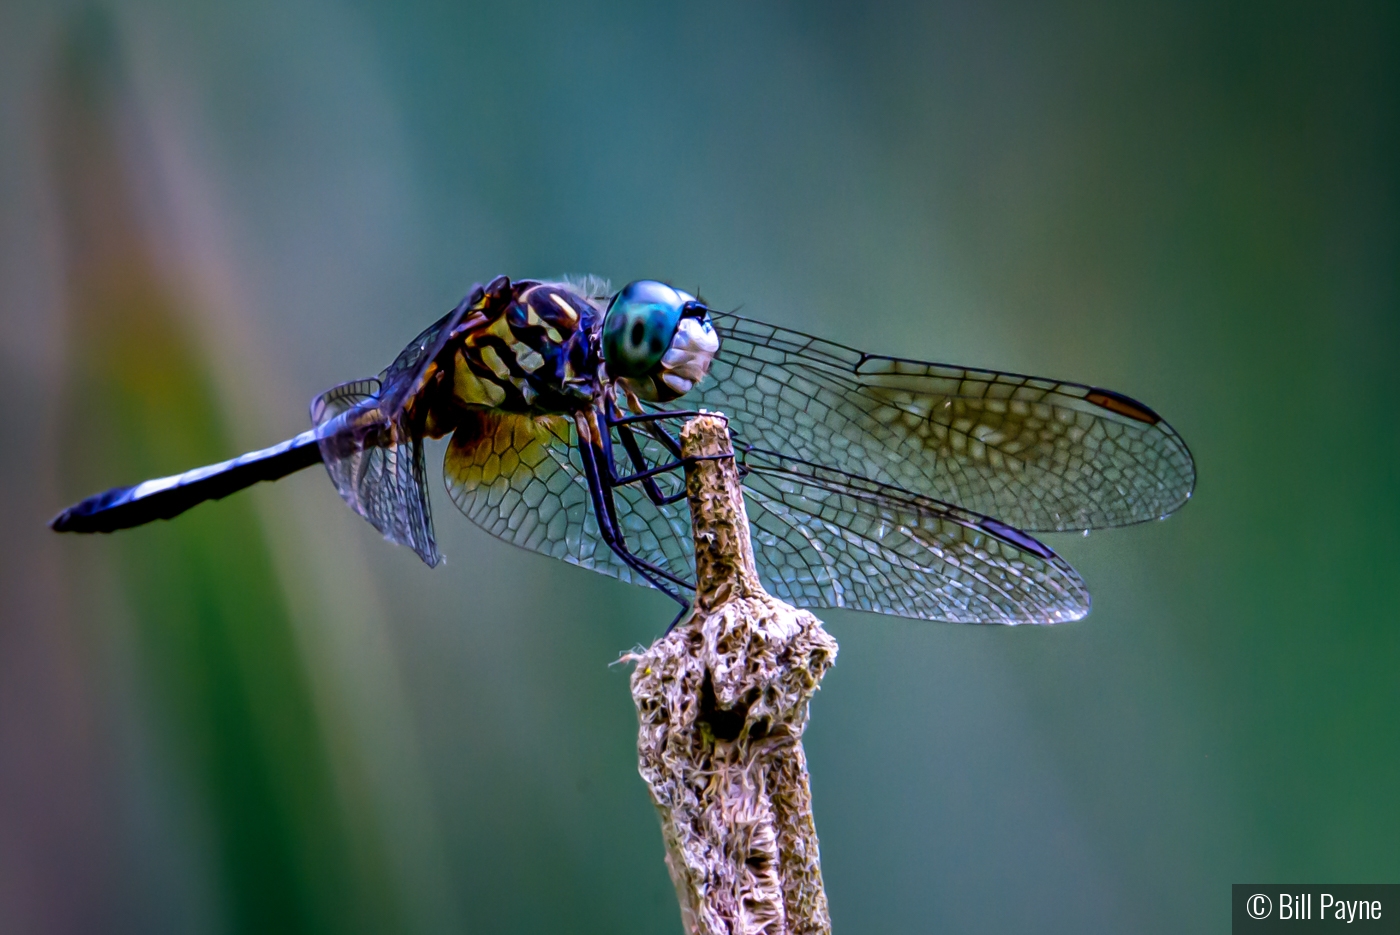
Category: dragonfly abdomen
<point>166,497</point>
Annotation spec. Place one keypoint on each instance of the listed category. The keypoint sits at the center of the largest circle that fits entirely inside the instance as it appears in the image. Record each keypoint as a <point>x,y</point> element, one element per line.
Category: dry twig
<point>722,703</point>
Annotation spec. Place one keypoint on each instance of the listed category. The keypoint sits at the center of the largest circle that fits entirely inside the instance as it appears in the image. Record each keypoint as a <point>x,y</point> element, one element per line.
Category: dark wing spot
<point>1117,402</point>
<point>638,333</point>
<point>1014,536</point>
<point>656,344</point>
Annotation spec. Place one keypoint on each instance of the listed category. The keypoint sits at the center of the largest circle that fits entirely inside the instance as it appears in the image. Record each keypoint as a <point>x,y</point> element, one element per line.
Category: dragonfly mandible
<point>875,483</point>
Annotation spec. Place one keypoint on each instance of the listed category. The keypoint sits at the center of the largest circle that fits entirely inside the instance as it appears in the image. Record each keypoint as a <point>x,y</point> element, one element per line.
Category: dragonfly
<point>876,483</point>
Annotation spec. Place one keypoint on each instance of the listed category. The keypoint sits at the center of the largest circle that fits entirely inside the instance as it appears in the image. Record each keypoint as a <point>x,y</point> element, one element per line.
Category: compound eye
<point>639,326</point>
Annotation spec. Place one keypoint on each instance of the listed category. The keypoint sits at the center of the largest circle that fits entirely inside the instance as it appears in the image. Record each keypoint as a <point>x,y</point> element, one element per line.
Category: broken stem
<point>722,703</point>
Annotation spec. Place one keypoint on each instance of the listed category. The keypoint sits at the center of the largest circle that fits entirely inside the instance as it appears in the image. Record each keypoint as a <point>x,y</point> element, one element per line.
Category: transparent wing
<point>419,353</point>
<point>376,464</point>
<point>1041,455</point>
<point>341,399</point>
<point>403,378</point>
<point>520,479</point>
<point>823,538</point>
<point>371,447</point>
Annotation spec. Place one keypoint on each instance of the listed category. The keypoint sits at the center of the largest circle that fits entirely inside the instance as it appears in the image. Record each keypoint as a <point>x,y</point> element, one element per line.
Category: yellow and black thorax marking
<point>532,350</point>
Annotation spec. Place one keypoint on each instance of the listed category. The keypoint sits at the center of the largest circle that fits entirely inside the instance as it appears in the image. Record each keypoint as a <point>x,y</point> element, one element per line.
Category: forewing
<point>521,479</point>
<point>373,447</point>
<point>376,464</point>
<point>827,539</point>
<point>406,376</point>
<point>1042,455</point>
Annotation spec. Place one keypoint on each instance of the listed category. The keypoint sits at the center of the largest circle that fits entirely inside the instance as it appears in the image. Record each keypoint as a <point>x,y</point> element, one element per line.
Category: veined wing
<point>521,479</point>
<point>824,538</point>
<point>373,448</point>
<point>376,464</point>
<point>403,378</point>
<point>1042,455</point>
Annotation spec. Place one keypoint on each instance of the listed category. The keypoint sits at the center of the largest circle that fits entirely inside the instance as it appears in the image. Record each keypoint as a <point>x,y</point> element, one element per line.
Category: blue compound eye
<point>639,326</point>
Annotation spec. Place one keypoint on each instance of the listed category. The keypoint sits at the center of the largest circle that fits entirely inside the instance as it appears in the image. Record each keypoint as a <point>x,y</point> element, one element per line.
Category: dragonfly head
<point>659,340</point>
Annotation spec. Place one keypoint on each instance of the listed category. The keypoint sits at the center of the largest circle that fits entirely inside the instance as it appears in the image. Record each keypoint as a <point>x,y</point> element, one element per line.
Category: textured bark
<point>722,703</point>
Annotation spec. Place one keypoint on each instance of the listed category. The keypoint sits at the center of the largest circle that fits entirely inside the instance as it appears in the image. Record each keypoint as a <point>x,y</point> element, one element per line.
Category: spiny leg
<point>643,472</point>
<point>651,422</point>
<point>615,539</point>
<point>604,509</point>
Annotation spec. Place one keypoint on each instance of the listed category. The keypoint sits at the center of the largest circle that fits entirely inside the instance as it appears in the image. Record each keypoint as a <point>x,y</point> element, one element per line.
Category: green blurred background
<point>263,718</point>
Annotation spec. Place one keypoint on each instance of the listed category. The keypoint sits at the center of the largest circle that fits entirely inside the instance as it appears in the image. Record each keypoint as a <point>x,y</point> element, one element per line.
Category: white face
<point>692,351</point>
<point>657,341</point>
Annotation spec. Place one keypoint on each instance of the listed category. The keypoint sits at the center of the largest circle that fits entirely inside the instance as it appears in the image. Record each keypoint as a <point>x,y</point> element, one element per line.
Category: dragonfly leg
<point>654,416</point>
<point>668,441</point>
<point>649,473</point>
<point>651,423</point>
<point>603,477</point>
<point>643,473</point>
<point>605,511</point>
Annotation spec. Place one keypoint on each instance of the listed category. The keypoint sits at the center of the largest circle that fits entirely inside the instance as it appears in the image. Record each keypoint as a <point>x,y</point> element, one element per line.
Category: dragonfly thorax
<point>535,351</point>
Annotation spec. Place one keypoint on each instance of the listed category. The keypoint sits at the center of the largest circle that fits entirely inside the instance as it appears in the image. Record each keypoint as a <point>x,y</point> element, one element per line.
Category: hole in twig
<point>725,724</point>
